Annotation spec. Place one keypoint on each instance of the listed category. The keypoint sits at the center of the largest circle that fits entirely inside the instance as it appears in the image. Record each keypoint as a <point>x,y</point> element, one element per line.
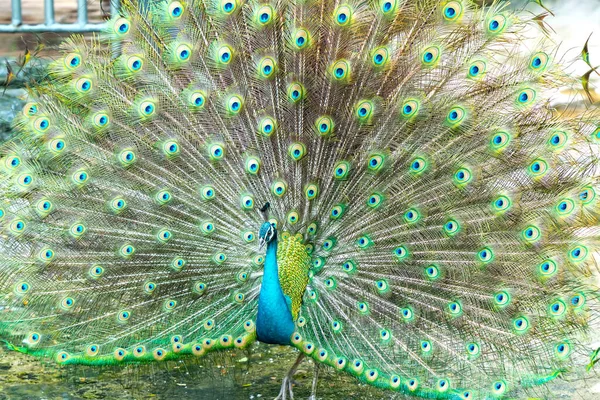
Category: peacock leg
<point>313,392</point>
<point>286,386</point>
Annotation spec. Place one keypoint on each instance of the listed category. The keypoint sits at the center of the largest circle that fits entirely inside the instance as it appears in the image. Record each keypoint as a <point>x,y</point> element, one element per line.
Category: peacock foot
<point>286,392</point>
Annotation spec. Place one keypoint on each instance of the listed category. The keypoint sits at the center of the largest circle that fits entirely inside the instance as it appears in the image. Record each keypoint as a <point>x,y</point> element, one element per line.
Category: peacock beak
<point>261,243</point>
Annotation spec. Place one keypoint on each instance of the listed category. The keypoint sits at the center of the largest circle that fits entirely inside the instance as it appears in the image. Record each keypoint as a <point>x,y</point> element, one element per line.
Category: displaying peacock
<point>384,185</point>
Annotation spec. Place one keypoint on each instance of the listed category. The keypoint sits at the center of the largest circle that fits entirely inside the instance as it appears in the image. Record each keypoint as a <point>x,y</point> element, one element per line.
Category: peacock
<point>386,186</point>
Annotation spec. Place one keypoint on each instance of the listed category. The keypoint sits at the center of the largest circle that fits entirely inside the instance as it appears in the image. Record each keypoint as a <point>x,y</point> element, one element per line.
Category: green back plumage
<point>293,263</point>
<point>449,209</point>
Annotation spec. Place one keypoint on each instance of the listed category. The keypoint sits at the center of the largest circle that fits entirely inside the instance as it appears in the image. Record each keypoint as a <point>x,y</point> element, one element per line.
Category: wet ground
<point>254,374</point>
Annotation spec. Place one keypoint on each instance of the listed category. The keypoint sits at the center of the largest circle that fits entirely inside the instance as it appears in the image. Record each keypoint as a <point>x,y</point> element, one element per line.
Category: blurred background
<point>571,25</point>
<point>242,375</point>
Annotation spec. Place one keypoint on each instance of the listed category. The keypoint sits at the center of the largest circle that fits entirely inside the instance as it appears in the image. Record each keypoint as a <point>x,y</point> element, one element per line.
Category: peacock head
<point>266,234</point>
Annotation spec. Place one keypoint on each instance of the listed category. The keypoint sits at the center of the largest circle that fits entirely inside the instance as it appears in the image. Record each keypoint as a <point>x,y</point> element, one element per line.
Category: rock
<point>11,103</point>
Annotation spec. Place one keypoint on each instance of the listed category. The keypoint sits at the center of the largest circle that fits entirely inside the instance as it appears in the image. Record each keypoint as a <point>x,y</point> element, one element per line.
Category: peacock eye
<point>364,110</point>
<point>500,140</point>
<point>418,165</point>
<point>267,67</point>
<point>234,104</point>
<point>297,151</point>
<point>247,202</point>
<point>229,6</point>
<point>430,56</point>
<point>264,16</point>
<point>267,126</point>
<point>324,126</point>
<point>121,26</point>
<point>452,11</point>
<point>343,15</point>
<point>526,97</point>
<point>224,54</point>
<point>340,70</point>
<point>83,85</point>
<point>197,99</point>
<point>538,168</point>
<point>388,6</point>
<point>100,120</point>
<point>147,108</point>
<point>496,24</point>
<point>301,38</point>
<point>410,108</point>
<point>176,10</point>
<point>539,61</point>
<point>380,57</point>
<point>477,69</point>
<point>455,116</point>
<point>295,92</point>
<point>72,61</point>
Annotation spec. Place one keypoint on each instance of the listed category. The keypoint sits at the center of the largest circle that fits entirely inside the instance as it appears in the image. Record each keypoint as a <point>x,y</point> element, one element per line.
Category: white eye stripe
<point>270,233</point>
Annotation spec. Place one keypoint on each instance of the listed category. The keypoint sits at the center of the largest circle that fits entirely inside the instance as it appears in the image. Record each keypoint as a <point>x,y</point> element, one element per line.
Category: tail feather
<point>450,211</point>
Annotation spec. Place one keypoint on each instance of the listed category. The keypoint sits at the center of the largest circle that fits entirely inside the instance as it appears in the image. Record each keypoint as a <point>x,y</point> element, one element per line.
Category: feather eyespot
<point>126,250</point>
<point>431,56</point>
<point>247,202</point>
<point>121,26</point>
<point>252,165</point>
<point>526,97</point>
<point>380,57</point>
<point>41,124</point>
<point>224,54</point>
<point>538,168</point>
<point>539,61</point>
<point>485,255</point>
<point>197,99</point>
<point>295,92</point>
<point>100,120</point>
<point>477,69</point>
<point>279,188</point>
<point>234,104</point>
<point>176,10</point>
<point>388,7</point>
<point>264,15</point>
<point>451,227</point>
<point>127,157</point>
<point>343,15</point>
<point>410,108</point>
<point>301,38</point>
<point>267,67</point>
<point>72,61</point>
<point>297,151</point>
<point>340,70</point>
<point>452,11</point>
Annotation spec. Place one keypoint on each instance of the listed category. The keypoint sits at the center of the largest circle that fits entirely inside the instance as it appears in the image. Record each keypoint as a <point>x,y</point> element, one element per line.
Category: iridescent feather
<point>436,217</point>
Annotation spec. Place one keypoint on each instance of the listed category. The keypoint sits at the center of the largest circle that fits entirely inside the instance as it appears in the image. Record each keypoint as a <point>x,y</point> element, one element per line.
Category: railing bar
<point>82,12</point>
<point>17,18</point>
<point>50,24</point>
<point>49,12</point>
<point>67,28</point>
<point>114,7</point>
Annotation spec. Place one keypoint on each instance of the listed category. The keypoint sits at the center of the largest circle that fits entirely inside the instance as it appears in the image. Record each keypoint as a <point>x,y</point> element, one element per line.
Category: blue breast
<point>274,322</point>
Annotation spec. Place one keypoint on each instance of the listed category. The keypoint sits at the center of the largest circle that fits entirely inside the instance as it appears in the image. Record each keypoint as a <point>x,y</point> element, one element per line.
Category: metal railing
<point>50,24</point>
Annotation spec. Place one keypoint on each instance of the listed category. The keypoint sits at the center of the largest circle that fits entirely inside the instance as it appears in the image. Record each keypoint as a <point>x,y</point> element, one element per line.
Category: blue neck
<point>274,322</point>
